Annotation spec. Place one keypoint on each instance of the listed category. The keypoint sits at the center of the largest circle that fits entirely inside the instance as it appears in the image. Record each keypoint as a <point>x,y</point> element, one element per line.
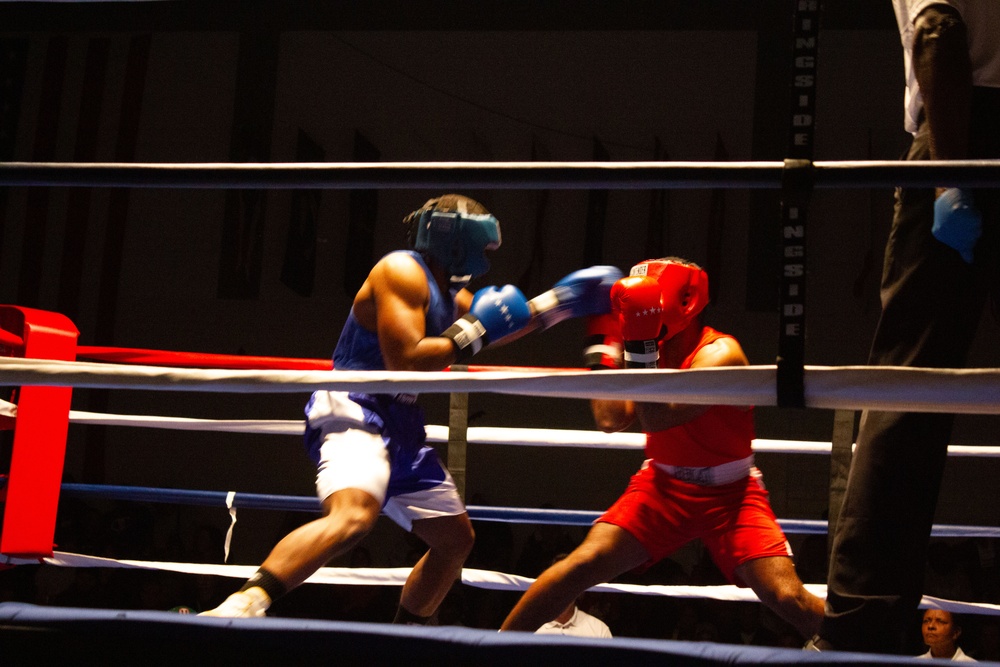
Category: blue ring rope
<point>264,501</point>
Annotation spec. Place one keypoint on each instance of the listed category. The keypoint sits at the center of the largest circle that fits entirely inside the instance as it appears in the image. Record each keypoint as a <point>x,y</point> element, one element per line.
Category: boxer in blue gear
<point>398,419</point>
<point>370,449</point>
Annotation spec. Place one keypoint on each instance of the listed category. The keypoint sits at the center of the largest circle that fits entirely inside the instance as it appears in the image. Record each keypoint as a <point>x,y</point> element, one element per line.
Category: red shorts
<point>734,521</point>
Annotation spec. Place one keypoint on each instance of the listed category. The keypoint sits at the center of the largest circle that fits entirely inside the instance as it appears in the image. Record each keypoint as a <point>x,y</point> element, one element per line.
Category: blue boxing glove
<point>496,312</point>
<point>957,222</point>
<point>582,293</point>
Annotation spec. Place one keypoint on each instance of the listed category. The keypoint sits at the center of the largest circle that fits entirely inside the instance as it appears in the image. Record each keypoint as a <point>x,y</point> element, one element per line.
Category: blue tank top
<point>358,348</point>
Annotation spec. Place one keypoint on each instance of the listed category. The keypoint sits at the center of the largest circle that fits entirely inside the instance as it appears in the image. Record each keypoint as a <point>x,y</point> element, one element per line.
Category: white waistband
<point>724,473</point>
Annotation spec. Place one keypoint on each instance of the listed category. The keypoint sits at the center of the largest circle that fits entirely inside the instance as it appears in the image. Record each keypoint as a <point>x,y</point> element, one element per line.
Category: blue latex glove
<point>957,222</point>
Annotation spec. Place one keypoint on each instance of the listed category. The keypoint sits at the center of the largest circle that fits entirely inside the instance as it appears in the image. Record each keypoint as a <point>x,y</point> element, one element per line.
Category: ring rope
<point>396,576</point>
<point>260,501</point>
<point>391,576</point>
<point>638,175</point>
<point>197,359</point>
<point>479,435</point>
<point>970,391</point>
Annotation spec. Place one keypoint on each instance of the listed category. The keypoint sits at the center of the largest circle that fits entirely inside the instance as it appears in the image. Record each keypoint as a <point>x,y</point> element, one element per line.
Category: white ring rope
<point>477,435</point>
<point>969,391</point>
<point>396,576</point>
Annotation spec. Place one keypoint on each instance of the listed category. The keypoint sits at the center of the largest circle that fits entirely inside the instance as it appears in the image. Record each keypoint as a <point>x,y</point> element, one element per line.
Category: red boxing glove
<point>604,342</point>
<point>636,302</point>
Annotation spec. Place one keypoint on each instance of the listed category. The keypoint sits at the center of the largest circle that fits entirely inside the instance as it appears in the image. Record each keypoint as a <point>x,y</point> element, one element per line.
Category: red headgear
<point>683,289</point>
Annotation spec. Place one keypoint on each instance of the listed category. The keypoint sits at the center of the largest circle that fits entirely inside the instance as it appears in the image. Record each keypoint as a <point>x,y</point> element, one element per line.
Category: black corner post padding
<point>797,183</point>
<point>797,180</point>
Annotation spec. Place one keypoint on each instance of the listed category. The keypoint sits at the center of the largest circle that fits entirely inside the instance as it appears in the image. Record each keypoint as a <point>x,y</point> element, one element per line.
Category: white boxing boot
<point>251,603</point>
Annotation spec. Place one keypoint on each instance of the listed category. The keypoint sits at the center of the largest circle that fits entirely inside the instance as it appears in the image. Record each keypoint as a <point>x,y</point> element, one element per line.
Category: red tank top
<point>721,434</point>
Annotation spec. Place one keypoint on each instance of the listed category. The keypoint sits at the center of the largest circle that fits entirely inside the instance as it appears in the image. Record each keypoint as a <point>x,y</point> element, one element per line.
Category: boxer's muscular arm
<point>661,416</point>
<point>604,351</point>
<point>612,416</point>
<point>396,296</point>
<point>633,325</point>
<point>463,301</point>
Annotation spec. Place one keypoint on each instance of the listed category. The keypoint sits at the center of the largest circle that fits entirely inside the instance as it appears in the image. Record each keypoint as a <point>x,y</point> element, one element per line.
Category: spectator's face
<point>939,629</point>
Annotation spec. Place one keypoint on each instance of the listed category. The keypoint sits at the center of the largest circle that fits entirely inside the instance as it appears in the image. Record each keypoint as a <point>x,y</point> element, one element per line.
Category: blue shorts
<point>377,443</point>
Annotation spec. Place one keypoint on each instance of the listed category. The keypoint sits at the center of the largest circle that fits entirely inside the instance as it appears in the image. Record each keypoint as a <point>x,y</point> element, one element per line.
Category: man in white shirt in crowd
<point>574,621</point>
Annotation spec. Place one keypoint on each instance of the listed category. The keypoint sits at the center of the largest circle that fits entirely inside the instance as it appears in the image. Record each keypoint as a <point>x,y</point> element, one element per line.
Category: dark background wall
<point>272,272</point>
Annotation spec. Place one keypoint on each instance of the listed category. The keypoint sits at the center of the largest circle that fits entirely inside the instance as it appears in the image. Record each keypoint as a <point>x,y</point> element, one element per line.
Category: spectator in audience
<point>941,631</point>
<point>573,620</point>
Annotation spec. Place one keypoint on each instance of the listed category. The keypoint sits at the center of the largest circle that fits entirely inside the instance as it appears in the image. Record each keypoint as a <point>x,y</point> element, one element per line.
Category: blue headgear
<point>457,240</point>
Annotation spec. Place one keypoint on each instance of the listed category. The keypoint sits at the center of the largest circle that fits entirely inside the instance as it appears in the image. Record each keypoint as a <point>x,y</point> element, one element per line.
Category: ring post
<point>40,429</point>
<point>458,439</point>
<point>796,185</point>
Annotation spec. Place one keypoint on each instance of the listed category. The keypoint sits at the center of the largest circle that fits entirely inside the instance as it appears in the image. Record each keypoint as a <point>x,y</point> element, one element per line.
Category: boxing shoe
<point>251,603</point>
<point>817,643</point>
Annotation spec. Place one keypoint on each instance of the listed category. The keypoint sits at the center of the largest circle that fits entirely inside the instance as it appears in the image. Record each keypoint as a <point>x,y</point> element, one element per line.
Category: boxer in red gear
<point>699,480</point>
